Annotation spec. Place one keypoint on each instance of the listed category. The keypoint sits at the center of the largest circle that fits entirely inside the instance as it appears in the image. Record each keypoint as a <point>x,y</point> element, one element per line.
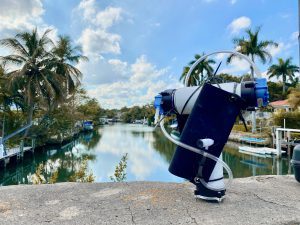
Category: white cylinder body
<point>216,174</point>
<point>182,95</point>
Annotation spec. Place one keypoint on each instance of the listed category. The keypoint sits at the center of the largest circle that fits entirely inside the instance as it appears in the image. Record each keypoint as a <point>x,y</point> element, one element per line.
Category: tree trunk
<point>283,83</point>
<point>253,113</point>
<point>30,116</point>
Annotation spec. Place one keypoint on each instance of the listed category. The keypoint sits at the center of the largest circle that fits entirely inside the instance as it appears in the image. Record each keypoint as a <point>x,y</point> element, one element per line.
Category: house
<point>281,105</point>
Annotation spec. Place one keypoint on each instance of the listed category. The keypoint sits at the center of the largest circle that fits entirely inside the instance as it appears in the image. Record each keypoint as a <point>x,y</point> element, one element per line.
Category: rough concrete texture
<point>256,200</point>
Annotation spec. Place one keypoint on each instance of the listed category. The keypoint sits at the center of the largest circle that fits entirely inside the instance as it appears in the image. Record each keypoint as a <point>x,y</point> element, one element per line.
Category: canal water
<point>149,154</point>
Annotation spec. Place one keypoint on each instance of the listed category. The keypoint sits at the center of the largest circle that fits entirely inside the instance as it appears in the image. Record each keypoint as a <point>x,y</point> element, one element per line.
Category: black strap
<point>243,120</point>
<point>187,101</point>
<point>200,167</point>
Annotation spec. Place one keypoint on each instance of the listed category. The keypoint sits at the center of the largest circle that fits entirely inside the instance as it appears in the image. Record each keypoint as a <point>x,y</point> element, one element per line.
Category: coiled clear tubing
<point>199,151</point>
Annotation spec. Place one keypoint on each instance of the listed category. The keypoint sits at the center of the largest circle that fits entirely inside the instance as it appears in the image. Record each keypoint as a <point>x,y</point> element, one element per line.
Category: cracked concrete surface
<point>255,200</point>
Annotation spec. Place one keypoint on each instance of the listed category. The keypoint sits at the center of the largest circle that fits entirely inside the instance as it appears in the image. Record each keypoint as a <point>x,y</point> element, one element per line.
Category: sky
<point>137,49</point>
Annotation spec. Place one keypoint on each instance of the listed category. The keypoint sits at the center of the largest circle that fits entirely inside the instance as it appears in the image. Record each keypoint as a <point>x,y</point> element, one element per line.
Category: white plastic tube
<point>201,152</point>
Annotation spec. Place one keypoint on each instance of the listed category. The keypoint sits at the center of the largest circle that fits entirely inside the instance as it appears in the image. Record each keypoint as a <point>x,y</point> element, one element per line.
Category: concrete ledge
<point>255,200</point>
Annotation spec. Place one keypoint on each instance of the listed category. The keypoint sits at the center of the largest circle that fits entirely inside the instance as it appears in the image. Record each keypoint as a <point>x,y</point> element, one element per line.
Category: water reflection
<point>163,145</point>
<point>64,161</point>
<point>144,162</point>
<point>149,154</point>
<point>90,139</point>
<point>244,165</point>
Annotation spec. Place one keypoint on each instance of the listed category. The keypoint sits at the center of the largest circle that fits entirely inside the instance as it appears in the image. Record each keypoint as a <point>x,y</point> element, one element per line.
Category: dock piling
<point>278,142</point>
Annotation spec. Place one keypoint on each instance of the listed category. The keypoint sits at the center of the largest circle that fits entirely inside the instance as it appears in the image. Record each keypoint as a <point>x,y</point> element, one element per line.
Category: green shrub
<point>295,135</point>
<point>120,171</point>
<point>241,127</point>
<point>292,119</point>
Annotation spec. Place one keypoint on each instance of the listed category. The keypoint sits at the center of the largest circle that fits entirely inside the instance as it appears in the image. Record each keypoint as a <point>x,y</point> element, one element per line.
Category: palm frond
<point>14,45</point>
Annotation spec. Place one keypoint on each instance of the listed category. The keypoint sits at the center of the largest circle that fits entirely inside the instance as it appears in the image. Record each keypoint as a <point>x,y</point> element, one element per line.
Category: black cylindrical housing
<point>167,101</point>
<point>248,94</point>
<point>296,162</point>
<point>213,117</point>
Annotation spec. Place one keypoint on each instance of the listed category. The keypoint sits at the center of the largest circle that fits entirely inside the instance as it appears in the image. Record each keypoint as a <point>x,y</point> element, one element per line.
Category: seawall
<point>255,200</point>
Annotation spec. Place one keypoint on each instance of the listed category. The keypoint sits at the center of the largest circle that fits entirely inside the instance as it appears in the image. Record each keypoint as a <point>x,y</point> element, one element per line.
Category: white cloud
<point>88,8</point>
<point>239,24</point>
<point>102,18</point>
<point>233,1</point>
<point>118,66</point>
<point>221,56</point>
<point>20,15</point>
<point>113,82</point>
<point>98,41</point>
<point>16,16</point>
<point>275,51</point>
<point>99,70</point>
<point>237,66</point>
<point>142,70</point>
<point>145,81</point>
<point>95,38</point>
<point>108,17</point>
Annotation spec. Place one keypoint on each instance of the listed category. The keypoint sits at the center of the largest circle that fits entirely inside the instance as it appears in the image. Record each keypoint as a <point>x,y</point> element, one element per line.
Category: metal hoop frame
<point>255,69</point>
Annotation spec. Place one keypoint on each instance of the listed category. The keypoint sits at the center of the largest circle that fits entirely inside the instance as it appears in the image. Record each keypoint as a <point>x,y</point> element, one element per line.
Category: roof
<point>280,103</point>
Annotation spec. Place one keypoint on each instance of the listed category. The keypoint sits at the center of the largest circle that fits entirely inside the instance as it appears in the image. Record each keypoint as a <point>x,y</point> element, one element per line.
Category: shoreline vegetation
<point>41,84</point>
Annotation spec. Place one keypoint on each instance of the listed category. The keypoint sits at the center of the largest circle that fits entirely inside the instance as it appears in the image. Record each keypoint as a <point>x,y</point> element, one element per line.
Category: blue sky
<point>138,48</point>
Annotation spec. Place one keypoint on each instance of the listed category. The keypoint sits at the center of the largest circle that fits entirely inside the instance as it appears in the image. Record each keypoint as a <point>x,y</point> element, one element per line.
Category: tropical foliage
<point>42,79</point>
<point>129,115</point>
<point>203,71</point>
<point>251,46</point>
<point>254,48</point>
<point>67,56</point>
<point>284,69</point>
<point>294,98</point>
<point>292,119</point>
<point>44,73</point>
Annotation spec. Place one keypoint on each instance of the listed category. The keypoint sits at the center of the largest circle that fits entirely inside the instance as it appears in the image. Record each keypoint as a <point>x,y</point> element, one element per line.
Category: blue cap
<point>261,91</point>
<point>157,103</point>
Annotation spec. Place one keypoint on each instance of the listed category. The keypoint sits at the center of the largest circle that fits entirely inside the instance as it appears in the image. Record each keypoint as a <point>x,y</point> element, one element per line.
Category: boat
<point>259,150</point>
<point>253,140</point>
<point>88,125</point>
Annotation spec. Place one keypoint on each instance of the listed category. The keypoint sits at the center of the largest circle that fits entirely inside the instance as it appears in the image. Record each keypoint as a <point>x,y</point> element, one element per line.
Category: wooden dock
<point>17,152</point>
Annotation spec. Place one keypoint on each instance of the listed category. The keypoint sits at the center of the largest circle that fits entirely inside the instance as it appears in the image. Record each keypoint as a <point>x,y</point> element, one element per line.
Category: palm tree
<point>198,76</point>
<point>67,56</point>
<point>284,69</point>
<point>7,97</point>
<point>36,78</point>
<point>254,48</point>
